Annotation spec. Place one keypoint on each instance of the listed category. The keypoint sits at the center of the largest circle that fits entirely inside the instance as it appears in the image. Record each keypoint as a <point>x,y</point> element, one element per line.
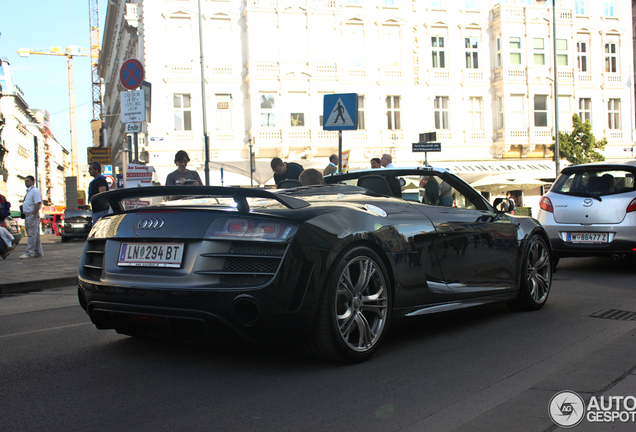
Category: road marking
<point>43,330</point>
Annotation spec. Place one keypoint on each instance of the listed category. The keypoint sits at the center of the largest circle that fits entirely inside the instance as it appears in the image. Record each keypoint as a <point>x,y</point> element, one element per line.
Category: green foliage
<point>579,146</point>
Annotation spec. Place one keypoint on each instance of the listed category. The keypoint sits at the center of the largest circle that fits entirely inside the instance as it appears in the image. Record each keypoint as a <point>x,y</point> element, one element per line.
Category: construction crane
<point>69,53</point>
<point>96,123</point>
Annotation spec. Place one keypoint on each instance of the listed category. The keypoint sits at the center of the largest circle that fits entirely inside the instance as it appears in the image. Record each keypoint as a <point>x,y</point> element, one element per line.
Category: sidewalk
<point>58,267</point>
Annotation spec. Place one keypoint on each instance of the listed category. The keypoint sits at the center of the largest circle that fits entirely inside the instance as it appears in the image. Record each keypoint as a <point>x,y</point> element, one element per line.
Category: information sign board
<point>427,147</point>
<point>133,108</point>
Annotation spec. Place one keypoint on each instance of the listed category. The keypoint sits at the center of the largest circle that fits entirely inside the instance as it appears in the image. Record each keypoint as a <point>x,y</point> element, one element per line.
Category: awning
<point>472,171</point>
<point>507,182</point>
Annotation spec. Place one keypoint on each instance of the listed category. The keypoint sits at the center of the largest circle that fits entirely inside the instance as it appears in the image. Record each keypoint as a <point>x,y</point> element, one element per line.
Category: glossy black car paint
<point>437,259</point>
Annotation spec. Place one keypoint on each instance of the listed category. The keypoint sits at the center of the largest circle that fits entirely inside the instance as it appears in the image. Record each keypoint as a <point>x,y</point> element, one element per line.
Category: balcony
<point>263,68</point>
<point>392,137</point>
<point>511,74</point>
<point>324,69</point>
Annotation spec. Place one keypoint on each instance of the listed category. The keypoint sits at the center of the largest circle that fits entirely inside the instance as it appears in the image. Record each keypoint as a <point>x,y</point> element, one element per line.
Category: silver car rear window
<point>592,182</point>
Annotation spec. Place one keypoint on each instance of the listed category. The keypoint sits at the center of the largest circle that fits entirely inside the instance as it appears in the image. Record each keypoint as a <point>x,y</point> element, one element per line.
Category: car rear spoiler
<point>115,197</point>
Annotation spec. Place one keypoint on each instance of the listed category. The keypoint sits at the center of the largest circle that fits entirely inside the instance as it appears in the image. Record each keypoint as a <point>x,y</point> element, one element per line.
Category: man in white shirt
<point>387,161</point>
<point>31,209</point>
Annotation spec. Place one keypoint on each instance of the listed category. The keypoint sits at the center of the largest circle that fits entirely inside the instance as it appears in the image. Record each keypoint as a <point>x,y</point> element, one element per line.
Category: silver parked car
<point>591,211</point>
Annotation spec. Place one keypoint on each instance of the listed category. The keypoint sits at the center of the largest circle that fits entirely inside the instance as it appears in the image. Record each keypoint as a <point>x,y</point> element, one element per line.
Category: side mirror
<point>402,182</point>
<point>500,204</point>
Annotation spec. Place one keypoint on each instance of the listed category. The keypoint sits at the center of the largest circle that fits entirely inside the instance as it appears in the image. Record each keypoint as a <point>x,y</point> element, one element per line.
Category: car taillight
<point>546,204</point>
<point>251,229</point>
<point>632,206</point>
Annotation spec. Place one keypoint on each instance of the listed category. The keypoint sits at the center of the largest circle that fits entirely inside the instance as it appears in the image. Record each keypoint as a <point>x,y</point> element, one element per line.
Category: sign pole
<point>339,151</point>
<point>136,146</point>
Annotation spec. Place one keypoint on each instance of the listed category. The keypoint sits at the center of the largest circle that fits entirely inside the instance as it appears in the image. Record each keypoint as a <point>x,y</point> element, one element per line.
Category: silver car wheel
<point>538,272</point>
<point>361,304</point>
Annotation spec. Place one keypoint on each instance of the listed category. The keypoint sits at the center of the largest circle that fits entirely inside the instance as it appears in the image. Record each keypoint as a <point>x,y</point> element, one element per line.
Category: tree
<point>580,146</point>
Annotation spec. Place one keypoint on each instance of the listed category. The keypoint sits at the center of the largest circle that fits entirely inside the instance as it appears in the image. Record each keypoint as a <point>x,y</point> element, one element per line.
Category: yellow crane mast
<point>69,53</point>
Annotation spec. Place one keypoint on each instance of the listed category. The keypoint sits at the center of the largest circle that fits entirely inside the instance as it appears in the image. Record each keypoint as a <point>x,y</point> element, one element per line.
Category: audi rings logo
<point>150,224</point>
<point>567,409</point>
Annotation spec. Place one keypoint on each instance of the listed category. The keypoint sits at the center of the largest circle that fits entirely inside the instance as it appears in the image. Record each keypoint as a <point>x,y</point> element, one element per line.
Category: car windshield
<point>75,213</point>
<point>594,182</point>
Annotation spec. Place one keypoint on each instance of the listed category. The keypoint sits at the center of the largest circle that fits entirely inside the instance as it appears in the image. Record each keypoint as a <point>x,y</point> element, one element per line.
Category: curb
<point>37,285</point>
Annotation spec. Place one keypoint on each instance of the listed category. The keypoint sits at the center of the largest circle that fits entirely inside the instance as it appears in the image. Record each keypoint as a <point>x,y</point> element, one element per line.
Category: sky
<point>41,24</point>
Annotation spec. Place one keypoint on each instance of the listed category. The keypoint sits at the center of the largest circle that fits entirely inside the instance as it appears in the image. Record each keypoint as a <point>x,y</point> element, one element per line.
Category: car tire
<point>536,276</point>
<point>354,310</point>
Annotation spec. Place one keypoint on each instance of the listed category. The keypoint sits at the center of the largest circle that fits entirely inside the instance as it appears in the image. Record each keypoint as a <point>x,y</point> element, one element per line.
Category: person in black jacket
<point>285,171</point>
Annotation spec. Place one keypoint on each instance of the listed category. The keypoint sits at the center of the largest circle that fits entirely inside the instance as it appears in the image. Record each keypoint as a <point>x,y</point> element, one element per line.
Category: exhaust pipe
<point>245,309</point>
<point>618,257</point>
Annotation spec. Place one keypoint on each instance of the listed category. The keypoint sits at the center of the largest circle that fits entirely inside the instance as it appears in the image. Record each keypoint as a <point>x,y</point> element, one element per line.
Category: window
<point>182,112</point>
<point>581,56</point>
<point>540,111</point>
<point>388,2</point>
<point>579,7</point>
<point>472,52</point>
<point>609,8</point>
<point>475,113</point>
<point>611,63</point>
<point>220,29</point>
<point>471,5</point>
<point>390,43</point>
<point>223,112</point>
<point>298,105</point>
<point>352,2</point>
<point>393,108</point>
<point>585,109</point>
<point>179,21</point>
<point>442,113</point>
<point>500,113</point>
<point>614,114</point>
<point>361,124</point>
<point>498,52</point>
<point>268,118</point>
<point>439,52</point>
<point>565,112</point>
<point>515,50</point>
<point>539,54</point>
<point>438,4</point>
<point>516,115</point>
<point>562,52</point>
<point>354,45</point>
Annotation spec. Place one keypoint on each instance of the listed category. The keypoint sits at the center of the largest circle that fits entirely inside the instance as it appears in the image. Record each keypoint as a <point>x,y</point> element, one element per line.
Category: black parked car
<point>76,224</point>
<point>325,267</point>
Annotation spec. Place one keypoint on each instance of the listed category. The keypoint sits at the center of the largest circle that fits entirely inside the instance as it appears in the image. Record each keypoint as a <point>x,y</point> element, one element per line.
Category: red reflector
<point>269,230</point>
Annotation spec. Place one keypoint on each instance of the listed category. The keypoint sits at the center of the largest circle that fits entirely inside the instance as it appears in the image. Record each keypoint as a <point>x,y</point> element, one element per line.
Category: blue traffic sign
<point>131,74</point>
<point>340,112</point>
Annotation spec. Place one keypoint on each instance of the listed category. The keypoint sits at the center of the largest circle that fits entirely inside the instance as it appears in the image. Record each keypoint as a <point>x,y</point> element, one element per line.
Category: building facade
<point>479,73</point>
<point>28,147</point>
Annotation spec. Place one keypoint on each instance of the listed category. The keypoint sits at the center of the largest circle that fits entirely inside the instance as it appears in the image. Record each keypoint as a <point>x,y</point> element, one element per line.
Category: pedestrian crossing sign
<point>340,112</point>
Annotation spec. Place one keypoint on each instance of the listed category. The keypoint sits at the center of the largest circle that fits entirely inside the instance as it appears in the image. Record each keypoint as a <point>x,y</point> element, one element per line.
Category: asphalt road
<point>58,373</point>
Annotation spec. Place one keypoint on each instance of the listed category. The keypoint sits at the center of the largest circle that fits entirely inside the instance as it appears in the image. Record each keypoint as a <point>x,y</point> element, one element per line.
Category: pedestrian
<point>431,190</point>
<point>31,209</point>
<point>182,176</point>
<point>375,163</point>
<point>97,185</point>
<point>445,194</point>
<point>511,203</point>
<point>285,170</point>
<point>311,176</point>
<point>333,165</point>
<point>5,208</point>
<point>387,161</point>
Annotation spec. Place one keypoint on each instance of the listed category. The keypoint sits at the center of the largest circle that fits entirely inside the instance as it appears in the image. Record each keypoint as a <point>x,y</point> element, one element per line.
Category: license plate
<point>587,237</point>
<point>151,255</point>
<point>78,225</point>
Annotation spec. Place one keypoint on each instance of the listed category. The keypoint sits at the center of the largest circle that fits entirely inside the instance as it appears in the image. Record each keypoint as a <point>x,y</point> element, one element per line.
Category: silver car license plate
<point>151,255</point>
<point>587,237</point>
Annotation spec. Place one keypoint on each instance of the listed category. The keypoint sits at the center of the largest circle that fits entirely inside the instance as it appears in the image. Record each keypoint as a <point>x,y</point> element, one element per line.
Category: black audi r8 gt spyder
<point>325,267</point>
